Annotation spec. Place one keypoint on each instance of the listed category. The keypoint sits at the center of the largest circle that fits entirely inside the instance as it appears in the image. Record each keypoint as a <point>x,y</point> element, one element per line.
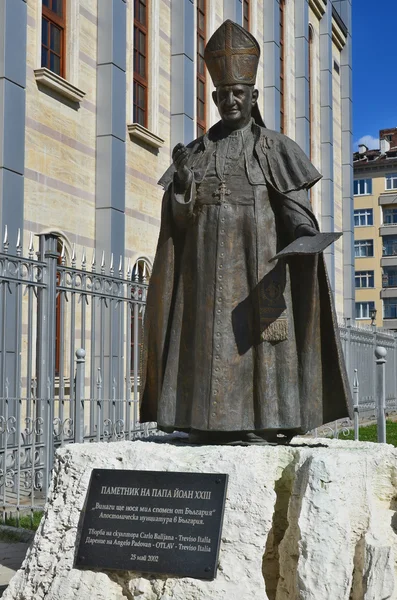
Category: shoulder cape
<point>285,166</point>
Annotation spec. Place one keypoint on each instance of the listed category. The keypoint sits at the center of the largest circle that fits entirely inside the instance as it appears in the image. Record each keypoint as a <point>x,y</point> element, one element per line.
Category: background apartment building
<point>375,231</point>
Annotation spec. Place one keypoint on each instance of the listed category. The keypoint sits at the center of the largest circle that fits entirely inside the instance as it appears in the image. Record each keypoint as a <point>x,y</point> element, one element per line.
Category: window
<point>364,279</point>
<point>362,187</point>
<point>363,248</point>
<point>53,36</point>
<point>390,308</point>
<point>201,76</point>
<point>282,57</point>
<point>391,182</point>
<point>364,309</point>
<point>390,245</point>
<point>390,216</point>
<point>140,62</point>
<point>246,14</point>
<point>389,277</point>
<point>363,217</point>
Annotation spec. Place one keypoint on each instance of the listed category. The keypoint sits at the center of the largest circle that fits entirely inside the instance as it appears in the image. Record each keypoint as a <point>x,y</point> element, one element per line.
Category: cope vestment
<point>234,342</point>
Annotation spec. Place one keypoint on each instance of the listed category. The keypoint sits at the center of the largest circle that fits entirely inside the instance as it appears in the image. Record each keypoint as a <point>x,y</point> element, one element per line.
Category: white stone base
<point>301,523</point>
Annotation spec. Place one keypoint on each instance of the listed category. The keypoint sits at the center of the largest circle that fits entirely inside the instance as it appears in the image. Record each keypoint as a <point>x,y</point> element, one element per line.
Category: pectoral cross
<point>222,192</point>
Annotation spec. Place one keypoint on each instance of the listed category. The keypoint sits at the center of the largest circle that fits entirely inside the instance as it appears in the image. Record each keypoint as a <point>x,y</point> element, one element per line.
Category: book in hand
<point>308,244</point>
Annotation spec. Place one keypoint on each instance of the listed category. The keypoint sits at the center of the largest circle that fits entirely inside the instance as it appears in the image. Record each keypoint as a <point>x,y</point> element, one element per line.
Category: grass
<point>25,521</point>
<point>369,434</point>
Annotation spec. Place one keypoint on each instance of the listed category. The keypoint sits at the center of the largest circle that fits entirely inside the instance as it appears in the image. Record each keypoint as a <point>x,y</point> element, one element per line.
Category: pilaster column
<point>271,63</point>
<point>13,28</point>
<point>327,136</point>
<point>183,83</point>
<point>111,128</point>
<point>345,10</point>
<point>13,31</point>
<point>302,125</point>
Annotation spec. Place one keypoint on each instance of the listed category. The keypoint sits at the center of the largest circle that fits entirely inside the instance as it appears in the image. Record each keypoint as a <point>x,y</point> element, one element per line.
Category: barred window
<point>201,74</point>
<point>363,248</point>
<point>390,308</point>
<point>390,245</point>
<point>141,62</point>
<point>364,279</point>
<point>389,277</point>
<point>390,216</point>
<point>364,309</point>
<point>53,26</point>
<point>363,217</point>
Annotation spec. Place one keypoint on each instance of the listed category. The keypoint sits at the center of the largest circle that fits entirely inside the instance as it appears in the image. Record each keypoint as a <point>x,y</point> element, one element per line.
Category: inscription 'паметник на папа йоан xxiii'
<point>156,522</point>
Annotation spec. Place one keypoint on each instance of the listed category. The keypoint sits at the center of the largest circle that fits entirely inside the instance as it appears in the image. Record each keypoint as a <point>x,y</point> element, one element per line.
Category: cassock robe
<point>233,342</point>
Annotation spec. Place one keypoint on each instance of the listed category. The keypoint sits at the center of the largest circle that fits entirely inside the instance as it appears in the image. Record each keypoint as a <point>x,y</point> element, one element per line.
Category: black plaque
<point>155,522</point>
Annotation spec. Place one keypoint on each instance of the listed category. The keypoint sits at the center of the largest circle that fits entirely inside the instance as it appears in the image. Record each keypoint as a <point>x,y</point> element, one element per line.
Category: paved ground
<point>11,558</point>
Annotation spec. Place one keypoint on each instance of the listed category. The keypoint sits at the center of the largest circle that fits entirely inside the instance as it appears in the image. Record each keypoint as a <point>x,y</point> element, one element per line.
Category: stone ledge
<point>53,81</point>
<point>312,521</point>
<point>141,133</point>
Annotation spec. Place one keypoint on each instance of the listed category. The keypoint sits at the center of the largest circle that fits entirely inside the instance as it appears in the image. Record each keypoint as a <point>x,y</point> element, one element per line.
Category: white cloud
<point>372,143</point>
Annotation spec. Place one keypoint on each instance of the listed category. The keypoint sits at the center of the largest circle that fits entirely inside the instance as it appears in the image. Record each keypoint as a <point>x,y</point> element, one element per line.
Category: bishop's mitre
<point>232,55</point>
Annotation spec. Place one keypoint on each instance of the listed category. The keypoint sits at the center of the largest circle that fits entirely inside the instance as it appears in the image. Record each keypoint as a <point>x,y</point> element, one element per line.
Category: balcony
<point>388,229</point>
<point>387,198</point>
<point>389,257</point>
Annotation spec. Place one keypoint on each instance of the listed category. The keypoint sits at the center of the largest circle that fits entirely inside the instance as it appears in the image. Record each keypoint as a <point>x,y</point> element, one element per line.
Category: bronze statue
<point>236,346</point>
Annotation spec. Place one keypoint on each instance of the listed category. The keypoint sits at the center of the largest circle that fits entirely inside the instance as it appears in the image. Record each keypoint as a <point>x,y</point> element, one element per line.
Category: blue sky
<point>374,68</point>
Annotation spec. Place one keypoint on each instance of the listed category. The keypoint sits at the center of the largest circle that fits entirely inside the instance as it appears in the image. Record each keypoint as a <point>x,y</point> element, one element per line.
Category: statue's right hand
<point>180,157</point>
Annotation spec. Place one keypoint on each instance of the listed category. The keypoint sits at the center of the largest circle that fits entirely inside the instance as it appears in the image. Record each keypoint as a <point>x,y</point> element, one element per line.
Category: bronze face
<point>235,103</point>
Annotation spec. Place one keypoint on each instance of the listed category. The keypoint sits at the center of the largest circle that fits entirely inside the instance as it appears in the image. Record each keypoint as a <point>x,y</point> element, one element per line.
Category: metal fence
<point>70,340</point>
<point>49,308</point>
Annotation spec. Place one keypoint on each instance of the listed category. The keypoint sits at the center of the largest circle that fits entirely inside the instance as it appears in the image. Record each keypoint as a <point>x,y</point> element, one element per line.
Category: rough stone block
<point>312,521</point>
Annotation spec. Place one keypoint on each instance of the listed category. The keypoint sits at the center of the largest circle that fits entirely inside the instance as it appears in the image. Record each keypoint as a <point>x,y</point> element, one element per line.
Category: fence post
<point>356,404</point>
<point>46,332</point>
<point>380,353</point>
<point>79,403</point>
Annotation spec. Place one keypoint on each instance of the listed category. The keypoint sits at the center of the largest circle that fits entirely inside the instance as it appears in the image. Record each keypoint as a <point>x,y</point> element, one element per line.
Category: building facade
<point>375,231</point>
<point>95,94</point>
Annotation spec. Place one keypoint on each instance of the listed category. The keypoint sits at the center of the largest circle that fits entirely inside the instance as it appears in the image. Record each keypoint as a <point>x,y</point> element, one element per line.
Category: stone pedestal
<point>312,521</point>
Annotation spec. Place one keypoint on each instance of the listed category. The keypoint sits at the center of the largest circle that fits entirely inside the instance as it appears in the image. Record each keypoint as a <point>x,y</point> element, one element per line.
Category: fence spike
<point>128,268</point>
<point>103,262</point>
<point>31,247</point>
<point>63,254</point>
<point>111,264</point>
<point>74,255</point>
<point>99,378</point>
<point>84,260</point>
<point>19,245</point>
<point>5,240</point>
<point>121,267</point>
<point>355,378</point>
<point>144,271</point>
<point>93,261</point>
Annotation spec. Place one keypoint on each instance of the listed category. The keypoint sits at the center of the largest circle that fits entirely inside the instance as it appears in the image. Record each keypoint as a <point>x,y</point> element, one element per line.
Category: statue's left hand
<point>305,229</point>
